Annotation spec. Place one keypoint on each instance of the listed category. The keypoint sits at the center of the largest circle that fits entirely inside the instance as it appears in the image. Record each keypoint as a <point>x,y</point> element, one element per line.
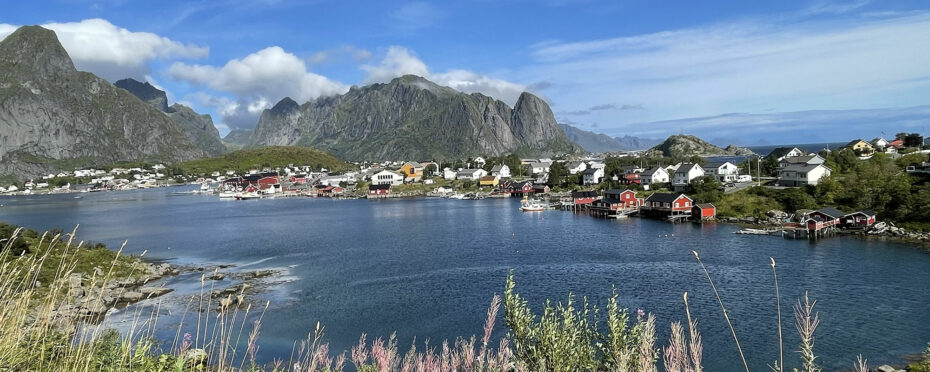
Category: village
<point>658,191</point>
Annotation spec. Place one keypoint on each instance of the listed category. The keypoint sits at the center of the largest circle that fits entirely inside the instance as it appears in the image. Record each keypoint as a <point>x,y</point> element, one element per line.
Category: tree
<point>429,170</point>
<point>913,140</point>
<point>557,172</point>
<point>706,189</point>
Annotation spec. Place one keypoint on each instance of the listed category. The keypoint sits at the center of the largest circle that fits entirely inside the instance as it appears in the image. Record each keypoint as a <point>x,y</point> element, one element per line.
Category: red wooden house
<point>620,199</point>
<point>665,205</point>
<point>584,197</point>
<point>329,191</point>
<point>379,190</point>
<point>518,188</point>
<point>859,220</point>
<point>823,218</point>
<point>703,211</point>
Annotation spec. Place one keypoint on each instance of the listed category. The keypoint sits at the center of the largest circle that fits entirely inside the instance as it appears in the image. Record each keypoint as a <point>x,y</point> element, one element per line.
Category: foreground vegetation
<point>567,336</point>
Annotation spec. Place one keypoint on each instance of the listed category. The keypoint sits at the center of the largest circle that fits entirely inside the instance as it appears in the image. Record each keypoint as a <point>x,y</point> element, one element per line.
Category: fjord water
<point>429,267</point>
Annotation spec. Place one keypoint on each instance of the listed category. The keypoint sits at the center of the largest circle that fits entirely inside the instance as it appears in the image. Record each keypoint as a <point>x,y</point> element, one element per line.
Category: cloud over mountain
<point>112,52</point>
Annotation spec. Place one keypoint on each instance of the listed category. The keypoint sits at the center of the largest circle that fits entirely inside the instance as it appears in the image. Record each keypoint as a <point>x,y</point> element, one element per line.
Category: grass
<point>743,204</point>
<point>212,335</point>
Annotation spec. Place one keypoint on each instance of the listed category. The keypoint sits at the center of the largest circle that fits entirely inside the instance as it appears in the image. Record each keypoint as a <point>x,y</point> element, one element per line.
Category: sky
<point>732,71</point>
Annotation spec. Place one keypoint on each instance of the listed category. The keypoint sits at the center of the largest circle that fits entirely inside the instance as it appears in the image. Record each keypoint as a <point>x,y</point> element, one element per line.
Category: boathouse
<point>827,217</point>
<point>518,188</point>
<point>583,197</point>
<point>859,220</point>
<point>379,190</point>
<point>704,211</point>
<point>667,206</point>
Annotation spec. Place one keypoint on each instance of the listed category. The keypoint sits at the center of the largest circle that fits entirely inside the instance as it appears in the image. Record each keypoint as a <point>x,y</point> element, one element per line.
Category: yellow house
<point>860,147</point>
<point>488,181</point>
<point>412,170</point>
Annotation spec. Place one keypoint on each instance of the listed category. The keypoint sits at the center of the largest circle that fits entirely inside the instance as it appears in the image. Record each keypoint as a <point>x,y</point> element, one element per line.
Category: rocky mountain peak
<point>284,106</point>
<point>146,92</point>
<point>684,145</point>
<point>34,49</point>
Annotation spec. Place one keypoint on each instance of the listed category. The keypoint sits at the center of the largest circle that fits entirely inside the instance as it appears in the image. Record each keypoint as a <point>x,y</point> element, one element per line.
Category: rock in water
<point>55,118</point>
<point>413,118</point>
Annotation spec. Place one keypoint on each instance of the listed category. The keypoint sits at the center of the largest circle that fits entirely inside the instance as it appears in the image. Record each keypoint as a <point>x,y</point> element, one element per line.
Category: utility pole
<point>759,170</point>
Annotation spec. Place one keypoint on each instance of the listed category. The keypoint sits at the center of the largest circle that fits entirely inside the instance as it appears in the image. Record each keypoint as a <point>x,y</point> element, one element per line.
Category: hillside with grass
<point>265,157</point>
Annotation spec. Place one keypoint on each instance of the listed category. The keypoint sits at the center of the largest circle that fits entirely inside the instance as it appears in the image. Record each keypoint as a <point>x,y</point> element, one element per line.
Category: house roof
<point>866,212</point>
<point>574,164</point>
<point>855,141</point>
<point>412,164</point>
<point>664,197</point>
<point>498,168</point>
<point>716,164</point>
<point>488,178</point>
<point>705,205</point>
<point>652,171</point>
<point>584,194</point>
<point>591,171</point>
<point>468,172</point>
<point>687,167</point>
<point>617,191</point>
<point>383,186</point>
<point>779,152</point>
<point>801,168</point>
<point>832,212</point>
<point>806,159</point>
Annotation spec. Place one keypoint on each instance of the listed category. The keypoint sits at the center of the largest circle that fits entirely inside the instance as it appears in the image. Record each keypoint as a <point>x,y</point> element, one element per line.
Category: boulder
<point>777,214</point>
<point>154,291</point>
<point>131,296</point>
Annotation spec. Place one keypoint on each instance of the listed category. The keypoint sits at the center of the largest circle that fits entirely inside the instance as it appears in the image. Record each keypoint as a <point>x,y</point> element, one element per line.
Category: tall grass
<point>219,333</point>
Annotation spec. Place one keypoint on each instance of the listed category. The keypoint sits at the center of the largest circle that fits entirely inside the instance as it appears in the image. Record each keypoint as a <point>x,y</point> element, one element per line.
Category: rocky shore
<point>87,299</point>
<point>775,218</point>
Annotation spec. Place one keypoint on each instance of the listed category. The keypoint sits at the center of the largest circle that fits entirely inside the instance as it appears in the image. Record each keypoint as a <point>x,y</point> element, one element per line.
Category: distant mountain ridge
<point>683,145</point>
<point>197,127</point>
<point>413,118</point>
<point>53,117</point>
<point>598,143</point>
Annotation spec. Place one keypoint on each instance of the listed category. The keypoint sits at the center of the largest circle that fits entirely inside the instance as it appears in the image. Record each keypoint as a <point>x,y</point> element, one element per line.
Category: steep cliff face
<point>413,118</point>
<point>53,117</point>
<point>198,128</point>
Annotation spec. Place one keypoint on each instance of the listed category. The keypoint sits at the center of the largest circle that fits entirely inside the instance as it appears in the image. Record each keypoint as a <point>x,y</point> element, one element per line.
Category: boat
<point>532,205</point>
<point>227,195</point>
<point>248,195</point>
<point>748,231</point>
<point>457,196</point>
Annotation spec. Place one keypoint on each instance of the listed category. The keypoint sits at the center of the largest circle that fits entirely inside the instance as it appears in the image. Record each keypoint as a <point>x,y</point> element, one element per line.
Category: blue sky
<point>745,72</point>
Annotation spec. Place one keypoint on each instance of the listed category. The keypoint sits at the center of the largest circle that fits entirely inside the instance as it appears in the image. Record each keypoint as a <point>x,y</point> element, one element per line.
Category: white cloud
<point>399,61</point>
<point>234,113</point>
<point>269,74</point>
<point>112,52</point>
<point>743,66</point>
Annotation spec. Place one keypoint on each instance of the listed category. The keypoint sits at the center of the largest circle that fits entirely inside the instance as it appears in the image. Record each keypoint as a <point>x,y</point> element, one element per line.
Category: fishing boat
<point>749,231</point>
<point>532,205</point>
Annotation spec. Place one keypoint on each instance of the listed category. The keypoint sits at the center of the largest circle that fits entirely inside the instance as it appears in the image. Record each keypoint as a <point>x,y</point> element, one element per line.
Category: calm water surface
<point>429,267</point>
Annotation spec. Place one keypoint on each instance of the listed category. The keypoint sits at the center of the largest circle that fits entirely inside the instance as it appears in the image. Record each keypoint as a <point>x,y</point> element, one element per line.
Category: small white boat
<point>457,196</point>
<point>227,195</point>
<point>248,195</point>
<point>528,205</point>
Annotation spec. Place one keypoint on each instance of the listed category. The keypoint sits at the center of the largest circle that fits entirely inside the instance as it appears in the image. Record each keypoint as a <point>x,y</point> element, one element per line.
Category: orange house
<point>412,170</point>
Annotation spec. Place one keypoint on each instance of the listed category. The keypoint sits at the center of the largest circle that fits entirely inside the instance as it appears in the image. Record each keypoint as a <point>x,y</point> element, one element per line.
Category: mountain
<point>597,142</point>
<point>198,128</point>
<point>683,145</point>
<point>53,117</point>
<point>413,118</point>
